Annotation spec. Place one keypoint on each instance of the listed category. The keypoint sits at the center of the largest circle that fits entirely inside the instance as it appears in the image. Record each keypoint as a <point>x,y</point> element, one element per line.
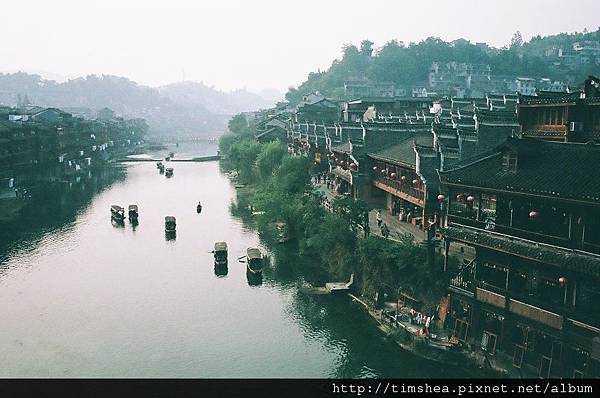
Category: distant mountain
<point>234,102</point>
<point>178,109</point>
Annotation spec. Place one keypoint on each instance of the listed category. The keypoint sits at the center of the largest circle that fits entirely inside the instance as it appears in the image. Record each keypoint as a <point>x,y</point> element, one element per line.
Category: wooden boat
<point>170,224</point>
<point>133,212</point>
<point>159,165</point>
<point>199,208</point>
<point>169,172</point>
<point>221,270</point>
<point>330,287</point>
<point>220,253</point>
<point>334,287</point>
<point>117,213</point>
<point>254,260</point>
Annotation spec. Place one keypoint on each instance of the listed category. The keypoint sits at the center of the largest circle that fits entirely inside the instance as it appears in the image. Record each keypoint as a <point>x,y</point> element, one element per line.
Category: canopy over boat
<point>116,209</point>
<point>170,220</point>
<point>253,254</point>
<point>169,169</point>
<point>220,246</point>
<point>133,208</point>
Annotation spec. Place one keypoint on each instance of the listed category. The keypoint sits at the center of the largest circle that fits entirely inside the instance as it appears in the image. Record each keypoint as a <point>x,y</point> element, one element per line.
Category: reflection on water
<point>81,298</point>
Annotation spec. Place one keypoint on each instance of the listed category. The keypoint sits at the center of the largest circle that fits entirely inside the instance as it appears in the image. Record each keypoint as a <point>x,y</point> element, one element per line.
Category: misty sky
<point>251,44</point>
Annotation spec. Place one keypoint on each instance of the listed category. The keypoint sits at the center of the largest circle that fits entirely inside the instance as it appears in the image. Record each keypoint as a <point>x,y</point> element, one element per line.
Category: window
<point>492,275</point>
<point>488,210</point>
<point>509,162</point>
<point>549,290</point>
<point>588,297</point>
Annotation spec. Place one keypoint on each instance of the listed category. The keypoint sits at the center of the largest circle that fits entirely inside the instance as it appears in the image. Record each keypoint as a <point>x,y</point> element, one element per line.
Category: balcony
<point>560,257</point>
<point>537,314</point>
<point>489,297</point>
<point>344,174</point>
<point>402,190</point>
<point>468,219</point>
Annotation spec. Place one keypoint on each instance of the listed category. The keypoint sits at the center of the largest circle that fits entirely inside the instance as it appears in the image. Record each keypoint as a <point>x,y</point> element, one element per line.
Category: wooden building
<point>561,117</point>
<point>525,221</point>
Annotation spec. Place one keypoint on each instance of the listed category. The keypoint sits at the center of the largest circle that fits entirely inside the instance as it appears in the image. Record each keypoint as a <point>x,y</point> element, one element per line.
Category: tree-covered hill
<point>185,108</point>
<point>409,64</point>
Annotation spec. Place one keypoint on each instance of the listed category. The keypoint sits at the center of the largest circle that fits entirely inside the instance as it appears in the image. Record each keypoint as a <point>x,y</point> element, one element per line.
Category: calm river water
<point>80,297</point>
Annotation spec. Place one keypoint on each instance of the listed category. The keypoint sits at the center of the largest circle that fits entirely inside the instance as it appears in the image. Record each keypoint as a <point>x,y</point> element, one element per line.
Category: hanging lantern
<point>415,181</point>
<point>533,214</point>
<point>562,281</point>
<point>470,198</point>
<point>460,197</point>
<point>393,175</point>
<point>441,197</point>
<point>353,166</point>
<point>383,171</point>
<point>374,168</point>
<point>403,178</point>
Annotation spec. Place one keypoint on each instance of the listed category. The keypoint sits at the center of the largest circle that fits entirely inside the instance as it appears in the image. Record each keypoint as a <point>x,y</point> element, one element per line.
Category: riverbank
<point>10,208</point>
<point>278,189</point>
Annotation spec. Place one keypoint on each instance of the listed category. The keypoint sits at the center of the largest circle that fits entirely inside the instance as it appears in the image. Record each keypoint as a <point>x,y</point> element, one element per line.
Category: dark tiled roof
<point>561,170</point>
<point>560,257</point>
<point>404,152</point>
<point>564,98</point>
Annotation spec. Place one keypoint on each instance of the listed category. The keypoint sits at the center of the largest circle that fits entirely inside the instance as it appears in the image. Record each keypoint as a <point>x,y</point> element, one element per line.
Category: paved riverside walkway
<point>397,228</point>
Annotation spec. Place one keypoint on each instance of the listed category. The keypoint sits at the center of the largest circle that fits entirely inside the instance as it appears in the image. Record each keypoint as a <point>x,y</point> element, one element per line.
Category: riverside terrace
<point>530,213</point>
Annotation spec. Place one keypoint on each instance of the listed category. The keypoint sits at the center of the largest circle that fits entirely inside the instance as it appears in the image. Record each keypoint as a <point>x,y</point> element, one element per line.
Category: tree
<point>517,40</point>
<point>366,47</point>
<point>270,158</point>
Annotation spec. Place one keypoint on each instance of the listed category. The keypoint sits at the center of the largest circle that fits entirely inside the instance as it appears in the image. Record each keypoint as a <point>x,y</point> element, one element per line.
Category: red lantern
<point>562,281</point>
<point>374,168</point>
<point>459,197</point>
<point>383,171</point>
<point>533,214</point>
<point>353,166</point>
<point>441,197</point>
<point>393,175</point>
<point>403,178</point>
<point>415,181</point>
<point>470,198</point>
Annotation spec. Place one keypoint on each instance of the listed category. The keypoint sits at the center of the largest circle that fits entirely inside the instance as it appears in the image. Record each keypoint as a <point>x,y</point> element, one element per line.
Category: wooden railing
<point>402,187</point>
<point>512,231</point>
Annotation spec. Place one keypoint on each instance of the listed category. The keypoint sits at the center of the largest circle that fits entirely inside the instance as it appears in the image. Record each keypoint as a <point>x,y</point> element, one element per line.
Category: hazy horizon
<point>253,45</point>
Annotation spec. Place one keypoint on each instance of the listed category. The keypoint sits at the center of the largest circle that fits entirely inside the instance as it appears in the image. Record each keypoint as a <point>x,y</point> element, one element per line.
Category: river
<point>81,297</point>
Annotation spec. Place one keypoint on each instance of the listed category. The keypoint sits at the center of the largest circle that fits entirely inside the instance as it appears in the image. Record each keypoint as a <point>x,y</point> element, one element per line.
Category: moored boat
<point>117,213</point>
<point>254,260</point>
<point>133,212</point>
<point>169,172</point>
<point>220,253</point>
<point>199,208</point>
<point>170,224</point>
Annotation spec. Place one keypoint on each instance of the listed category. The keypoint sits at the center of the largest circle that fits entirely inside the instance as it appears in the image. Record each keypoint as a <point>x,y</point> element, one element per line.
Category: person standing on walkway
<point>379,218</point>
<point>385,231</point>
